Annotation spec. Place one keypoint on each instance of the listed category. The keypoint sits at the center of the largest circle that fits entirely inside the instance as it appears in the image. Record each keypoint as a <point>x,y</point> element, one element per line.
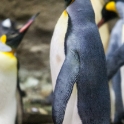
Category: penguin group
<point>77,96</point>
<point>114,57</point>
<point>80,81</point>
<point>80,71</point>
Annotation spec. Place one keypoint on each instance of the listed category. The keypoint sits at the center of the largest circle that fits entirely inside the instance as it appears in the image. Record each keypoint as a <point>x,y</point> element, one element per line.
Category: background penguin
<point>78,52</point>
<point>116,41</point>
<point>10,26</point>
<point>8,74</point>
<point>104,30</point>
<point>108,12</point>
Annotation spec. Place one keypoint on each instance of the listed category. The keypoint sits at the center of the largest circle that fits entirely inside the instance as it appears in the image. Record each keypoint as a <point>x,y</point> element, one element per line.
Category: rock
<point>46,89</point>
<point>30,82</point>
<point>42,111</point>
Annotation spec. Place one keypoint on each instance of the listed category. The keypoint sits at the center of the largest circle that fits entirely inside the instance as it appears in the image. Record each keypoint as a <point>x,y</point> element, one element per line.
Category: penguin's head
<point>68,2</point>
<point>13,39</point>
<point>7,25</point>
<point>108,12</point>
<point>119,1</point>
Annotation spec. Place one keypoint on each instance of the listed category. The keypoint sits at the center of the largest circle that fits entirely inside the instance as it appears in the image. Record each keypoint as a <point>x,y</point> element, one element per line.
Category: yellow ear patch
<point>3,38</point>
<point>111,6</point>
<point>65,14</point>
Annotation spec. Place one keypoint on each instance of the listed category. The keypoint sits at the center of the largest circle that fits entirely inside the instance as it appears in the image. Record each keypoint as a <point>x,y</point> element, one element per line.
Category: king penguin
<point>113,9</point>
<point>8,73</point>
<point>77,61</point>
<point>117,40</point>
<point>108,12</point>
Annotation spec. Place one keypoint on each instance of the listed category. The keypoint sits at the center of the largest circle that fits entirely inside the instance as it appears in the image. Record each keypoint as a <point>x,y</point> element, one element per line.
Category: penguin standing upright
<point>108,12</point>
<point>8,73</point>
<point>116,40</point>
<point>112,9</point>
<point>83,65</point>
<point>97,6</point>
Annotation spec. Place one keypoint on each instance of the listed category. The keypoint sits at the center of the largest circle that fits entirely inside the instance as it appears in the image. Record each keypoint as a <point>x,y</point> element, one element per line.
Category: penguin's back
<point>83,39</point>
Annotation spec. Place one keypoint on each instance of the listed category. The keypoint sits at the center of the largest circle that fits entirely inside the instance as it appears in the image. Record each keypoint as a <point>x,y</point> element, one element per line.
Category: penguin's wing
<point>4,47</point>
<point>113,45</point>
<point>111,56</point>
<point>64,85</point>
<point>115,61</point>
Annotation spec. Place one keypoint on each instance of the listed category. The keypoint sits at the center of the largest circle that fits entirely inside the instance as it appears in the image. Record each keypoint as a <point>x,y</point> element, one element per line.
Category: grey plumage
<point>84,64</point>
<point>116,46</point>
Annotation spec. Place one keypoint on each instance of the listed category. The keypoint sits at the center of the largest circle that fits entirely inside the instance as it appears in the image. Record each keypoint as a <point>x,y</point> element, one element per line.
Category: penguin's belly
<point>57,57</point>
<point>57,54</point>
<point>8,79</point>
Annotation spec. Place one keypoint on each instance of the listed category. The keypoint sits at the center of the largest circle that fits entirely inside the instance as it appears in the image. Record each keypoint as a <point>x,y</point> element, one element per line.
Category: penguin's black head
<point>108,12</point>
<point>68,2</point>
<point>7,25</point>
<point>119,0</point>
<point>13,39</point>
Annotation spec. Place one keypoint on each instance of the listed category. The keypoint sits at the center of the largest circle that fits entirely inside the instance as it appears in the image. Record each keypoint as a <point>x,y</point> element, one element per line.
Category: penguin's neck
<point>81,11</point>
<point>9,54</point>
<point>120,9</point>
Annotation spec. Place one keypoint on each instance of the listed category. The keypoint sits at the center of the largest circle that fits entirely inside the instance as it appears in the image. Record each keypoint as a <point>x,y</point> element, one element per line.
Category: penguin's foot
<point>119,118</point>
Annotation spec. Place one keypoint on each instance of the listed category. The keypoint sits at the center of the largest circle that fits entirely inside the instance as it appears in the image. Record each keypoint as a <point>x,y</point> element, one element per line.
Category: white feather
<point>8,82</point>
<point>6,23</point>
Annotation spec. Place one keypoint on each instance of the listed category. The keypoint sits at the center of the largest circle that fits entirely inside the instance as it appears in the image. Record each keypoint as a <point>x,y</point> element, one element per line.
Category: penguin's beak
<point>28,24</point>
<point>101,22</point>
<point>13,40</point>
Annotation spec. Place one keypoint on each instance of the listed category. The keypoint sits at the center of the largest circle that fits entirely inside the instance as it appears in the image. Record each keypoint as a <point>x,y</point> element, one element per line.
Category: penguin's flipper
<point>64,85</point>
<point>115,61</point>
<point>111,57</point>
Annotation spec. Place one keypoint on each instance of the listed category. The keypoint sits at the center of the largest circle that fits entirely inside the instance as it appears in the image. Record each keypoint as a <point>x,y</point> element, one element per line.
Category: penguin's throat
<point>10,54</point>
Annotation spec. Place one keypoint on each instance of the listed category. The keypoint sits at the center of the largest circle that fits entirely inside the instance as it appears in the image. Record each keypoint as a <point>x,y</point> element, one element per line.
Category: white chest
<point>57,55</point>
<point>8,82</point>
